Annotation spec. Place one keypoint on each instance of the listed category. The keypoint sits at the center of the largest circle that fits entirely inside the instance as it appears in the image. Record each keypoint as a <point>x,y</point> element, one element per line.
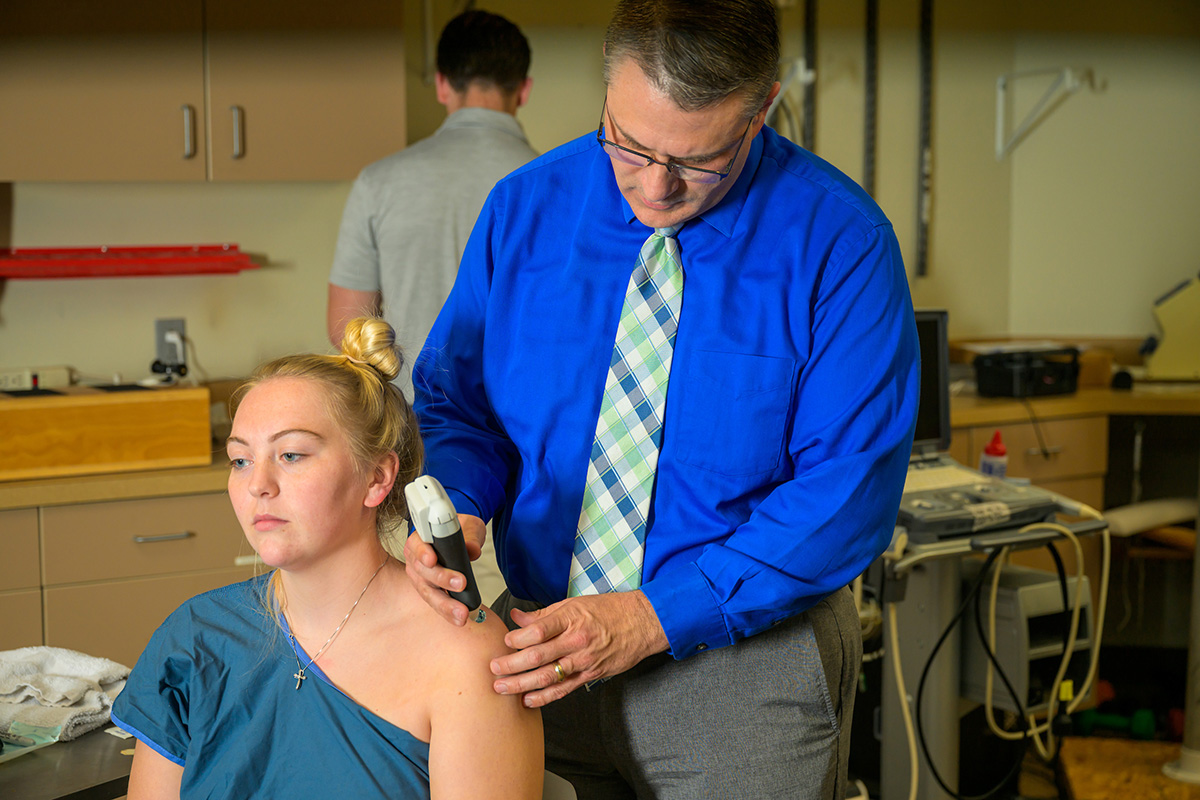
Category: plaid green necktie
<point>612,525</point>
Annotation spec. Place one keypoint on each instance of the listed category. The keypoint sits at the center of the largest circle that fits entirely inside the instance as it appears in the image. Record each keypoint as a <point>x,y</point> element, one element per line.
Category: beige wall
<point>1106,192</point>
<point>1075,233</point>
<point>102,326</point>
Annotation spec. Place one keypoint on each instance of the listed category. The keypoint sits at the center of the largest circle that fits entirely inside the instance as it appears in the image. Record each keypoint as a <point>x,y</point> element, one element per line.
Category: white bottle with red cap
<point>994,458</point>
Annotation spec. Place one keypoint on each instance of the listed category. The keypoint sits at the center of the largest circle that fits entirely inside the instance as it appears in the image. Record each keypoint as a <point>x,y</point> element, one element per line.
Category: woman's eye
<point>292,458</point>
<point>237,463</point>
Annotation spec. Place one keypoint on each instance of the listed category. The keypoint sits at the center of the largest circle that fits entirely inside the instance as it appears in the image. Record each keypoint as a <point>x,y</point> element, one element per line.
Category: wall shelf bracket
<point>1067,81</point>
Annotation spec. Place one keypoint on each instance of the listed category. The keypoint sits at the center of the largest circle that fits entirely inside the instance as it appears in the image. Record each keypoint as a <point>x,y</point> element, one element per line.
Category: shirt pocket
<point>733,414</point>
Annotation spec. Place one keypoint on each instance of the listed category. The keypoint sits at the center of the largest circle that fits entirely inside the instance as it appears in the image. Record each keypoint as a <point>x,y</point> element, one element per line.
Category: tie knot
<point>668,232</point>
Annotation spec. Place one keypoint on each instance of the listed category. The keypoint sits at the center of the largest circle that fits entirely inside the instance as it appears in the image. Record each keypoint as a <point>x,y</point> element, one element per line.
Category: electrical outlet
<point>170,340</point>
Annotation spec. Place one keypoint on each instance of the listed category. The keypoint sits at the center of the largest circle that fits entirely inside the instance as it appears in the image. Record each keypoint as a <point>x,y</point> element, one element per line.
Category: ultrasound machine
<point>942,498</point>
<point>948,512</point>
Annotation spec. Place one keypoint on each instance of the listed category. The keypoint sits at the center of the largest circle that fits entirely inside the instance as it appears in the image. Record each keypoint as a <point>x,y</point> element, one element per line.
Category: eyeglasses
<point>681,171</point>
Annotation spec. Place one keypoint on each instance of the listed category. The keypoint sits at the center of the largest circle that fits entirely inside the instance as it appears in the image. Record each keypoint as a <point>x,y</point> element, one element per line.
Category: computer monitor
<point>933,412</point>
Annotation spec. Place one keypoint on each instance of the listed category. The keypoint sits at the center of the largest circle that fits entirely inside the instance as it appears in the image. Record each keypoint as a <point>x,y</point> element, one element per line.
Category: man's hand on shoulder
<point>588,638</point>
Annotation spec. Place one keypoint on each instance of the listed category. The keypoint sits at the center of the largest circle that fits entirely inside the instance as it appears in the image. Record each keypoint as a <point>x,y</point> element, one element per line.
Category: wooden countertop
<point>115,486</point>
<point>967,410</point>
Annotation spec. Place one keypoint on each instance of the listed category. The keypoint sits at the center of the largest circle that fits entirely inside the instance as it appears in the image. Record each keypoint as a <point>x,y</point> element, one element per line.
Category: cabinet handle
<point>166,537</point>
<point>189,131</point>
<point>239,140</point>
<point>1053,450</point>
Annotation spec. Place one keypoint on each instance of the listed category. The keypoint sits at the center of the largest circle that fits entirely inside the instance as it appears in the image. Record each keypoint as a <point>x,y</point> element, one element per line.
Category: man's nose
<point>658,182</point>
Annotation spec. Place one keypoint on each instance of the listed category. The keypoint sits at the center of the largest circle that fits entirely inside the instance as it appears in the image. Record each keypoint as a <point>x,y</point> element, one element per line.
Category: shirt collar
<point>473,117</point>
<point>724,215</point>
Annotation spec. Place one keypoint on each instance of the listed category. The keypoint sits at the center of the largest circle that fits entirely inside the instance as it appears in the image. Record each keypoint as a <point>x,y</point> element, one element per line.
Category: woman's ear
<point>383,478</point>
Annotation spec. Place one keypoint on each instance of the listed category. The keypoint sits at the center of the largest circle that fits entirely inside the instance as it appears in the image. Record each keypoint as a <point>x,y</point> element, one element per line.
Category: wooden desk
<point>1144,398</point>
<point>1088,438</point>
<point>1072,428</point>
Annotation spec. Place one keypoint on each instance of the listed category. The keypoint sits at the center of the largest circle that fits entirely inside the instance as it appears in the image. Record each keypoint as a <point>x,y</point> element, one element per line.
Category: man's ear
<point>771,95</point>
<point>383,478</point>
<point>523,92</point>
<point>443,88</point>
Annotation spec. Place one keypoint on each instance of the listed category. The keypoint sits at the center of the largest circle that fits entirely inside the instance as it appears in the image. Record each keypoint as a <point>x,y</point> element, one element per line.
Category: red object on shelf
<point>119,262</point>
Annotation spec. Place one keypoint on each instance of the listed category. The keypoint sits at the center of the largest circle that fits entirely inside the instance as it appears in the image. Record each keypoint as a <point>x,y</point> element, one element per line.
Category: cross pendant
<point>299,676</point>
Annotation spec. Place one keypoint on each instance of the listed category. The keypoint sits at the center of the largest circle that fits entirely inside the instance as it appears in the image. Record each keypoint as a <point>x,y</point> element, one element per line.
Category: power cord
<point>1033,729</point>
<point>1037,428</point>
<point>993,660</point>
<point>971,597</point>
<point>1049,748</point>
<point>990,653</point>
<point>896,552</point>
<point>1061,571</point>
<point>191,348</point>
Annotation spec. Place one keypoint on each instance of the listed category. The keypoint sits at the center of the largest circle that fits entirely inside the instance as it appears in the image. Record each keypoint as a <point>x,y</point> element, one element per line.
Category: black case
<point>1027,373</point>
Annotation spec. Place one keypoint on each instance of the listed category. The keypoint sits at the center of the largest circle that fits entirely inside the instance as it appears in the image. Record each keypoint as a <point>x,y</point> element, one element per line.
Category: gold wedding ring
<point>560,672</point>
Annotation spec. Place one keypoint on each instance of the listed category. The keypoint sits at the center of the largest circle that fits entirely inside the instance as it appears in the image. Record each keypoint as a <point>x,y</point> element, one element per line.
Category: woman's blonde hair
<point>361,398</point>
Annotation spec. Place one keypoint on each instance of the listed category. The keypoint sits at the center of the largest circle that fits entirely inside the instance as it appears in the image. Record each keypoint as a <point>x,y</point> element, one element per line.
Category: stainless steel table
<point>91,767</point>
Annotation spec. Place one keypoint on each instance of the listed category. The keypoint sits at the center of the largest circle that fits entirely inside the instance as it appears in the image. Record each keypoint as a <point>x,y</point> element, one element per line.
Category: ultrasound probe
<point>436,521</point>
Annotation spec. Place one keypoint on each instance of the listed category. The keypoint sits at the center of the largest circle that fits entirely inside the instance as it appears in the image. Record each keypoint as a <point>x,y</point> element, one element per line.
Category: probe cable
<point>896,552</point>
<point>976,585</point>
<point>1048,749</point>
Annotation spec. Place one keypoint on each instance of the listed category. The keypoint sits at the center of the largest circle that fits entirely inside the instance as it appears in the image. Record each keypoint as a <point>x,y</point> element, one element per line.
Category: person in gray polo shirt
<point>408,216</point>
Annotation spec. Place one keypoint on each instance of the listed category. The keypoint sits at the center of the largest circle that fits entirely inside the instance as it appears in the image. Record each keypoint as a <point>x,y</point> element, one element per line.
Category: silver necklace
<point>299,675</point>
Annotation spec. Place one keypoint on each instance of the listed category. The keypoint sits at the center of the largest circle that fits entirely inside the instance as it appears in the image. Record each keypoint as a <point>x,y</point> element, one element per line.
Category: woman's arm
<point>481,744</point>
<point>153,777</point>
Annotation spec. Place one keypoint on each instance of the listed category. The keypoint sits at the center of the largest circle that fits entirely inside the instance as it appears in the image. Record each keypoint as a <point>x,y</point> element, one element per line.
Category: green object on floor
<point>1139,725</point>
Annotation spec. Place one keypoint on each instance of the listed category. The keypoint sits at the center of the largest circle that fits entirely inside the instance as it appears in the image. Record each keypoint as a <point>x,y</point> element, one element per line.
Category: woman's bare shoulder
<point>474,640</point>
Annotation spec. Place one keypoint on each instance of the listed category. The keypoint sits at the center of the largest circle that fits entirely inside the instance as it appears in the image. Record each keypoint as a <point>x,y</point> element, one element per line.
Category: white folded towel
<point>54,688</point>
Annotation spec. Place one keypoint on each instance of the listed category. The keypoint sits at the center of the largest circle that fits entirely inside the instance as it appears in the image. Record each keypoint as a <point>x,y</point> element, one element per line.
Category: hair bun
<point>372,341</point>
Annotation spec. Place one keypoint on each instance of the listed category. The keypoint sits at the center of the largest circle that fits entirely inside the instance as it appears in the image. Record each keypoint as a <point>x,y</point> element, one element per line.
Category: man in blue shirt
<point>725,665</point>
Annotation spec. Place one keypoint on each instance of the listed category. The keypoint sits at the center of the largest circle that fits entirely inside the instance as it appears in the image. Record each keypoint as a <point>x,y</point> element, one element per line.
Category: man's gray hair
<point>698,52</point>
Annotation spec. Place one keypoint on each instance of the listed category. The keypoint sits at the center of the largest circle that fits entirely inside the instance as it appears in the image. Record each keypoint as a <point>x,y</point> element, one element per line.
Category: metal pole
<point>924,144</point>
<point>870,95</point>
<point>808,124</point>
<point>1187,768</point>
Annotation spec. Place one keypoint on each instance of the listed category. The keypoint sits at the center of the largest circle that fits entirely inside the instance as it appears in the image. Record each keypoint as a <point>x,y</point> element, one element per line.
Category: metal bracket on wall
<point>1067,82</point>
<point>794,73</point>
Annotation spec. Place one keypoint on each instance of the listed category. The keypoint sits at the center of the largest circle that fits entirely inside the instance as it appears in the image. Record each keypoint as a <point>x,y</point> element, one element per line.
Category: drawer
<point>1074,447</point>
<point>115,620</point>
<point>19,544</point>
<point>136,538</point>
<point>1085,490</point>
<point>20,619</point>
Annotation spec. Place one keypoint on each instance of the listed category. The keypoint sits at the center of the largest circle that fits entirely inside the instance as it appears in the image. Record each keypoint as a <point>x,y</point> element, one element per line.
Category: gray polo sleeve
<point>356,259</point>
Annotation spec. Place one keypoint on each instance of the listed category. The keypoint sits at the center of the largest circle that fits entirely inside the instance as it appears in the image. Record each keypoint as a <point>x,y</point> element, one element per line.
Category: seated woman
<point>329,676</point>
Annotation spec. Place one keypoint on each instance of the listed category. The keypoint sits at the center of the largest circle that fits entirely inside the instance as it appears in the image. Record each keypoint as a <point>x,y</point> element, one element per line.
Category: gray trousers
<point>768,717</point>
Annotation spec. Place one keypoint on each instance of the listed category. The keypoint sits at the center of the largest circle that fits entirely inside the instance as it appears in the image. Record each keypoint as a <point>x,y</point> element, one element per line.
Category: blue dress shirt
<point>789,413</point>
